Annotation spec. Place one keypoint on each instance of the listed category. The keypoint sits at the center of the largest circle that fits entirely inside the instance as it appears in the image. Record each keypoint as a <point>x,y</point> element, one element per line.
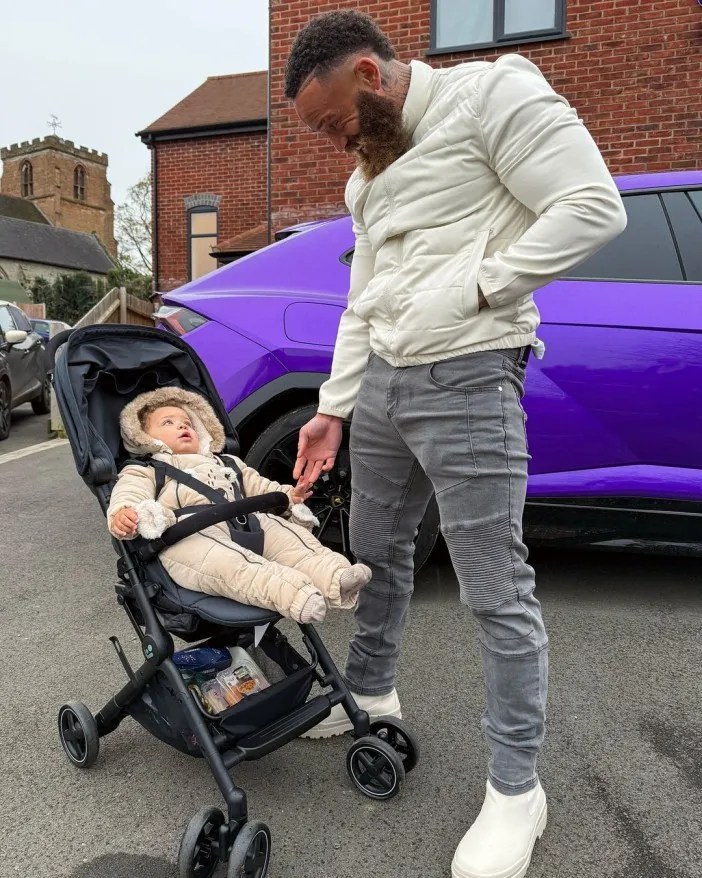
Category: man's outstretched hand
<point>317,447</point>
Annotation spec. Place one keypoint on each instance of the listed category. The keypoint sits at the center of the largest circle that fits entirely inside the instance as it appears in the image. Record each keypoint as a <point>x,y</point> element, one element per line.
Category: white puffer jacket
<point>502,188</point>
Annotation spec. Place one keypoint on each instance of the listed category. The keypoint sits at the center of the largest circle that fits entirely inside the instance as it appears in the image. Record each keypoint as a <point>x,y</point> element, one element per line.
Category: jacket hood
<point>210,432</point>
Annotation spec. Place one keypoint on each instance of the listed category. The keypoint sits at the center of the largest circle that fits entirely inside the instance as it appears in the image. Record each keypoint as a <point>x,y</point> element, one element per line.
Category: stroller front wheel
<point>375,768</point>
<point>251,852</point>
<point>198,855</point>
<point>78,733</point>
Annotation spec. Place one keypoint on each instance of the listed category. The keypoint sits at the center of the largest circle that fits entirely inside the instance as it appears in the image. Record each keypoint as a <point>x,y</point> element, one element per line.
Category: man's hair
<point>329,39</point>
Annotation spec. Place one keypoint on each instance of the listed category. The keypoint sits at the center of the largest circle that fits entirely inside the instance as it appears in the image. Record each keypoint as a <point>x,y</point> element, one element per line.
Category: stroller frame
<point>379,757</point>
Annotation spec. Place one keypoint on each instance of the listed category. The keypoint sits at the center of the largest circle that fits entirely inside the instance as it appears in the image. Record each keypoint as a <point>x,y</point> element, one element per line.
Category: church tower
<point>68,183</point>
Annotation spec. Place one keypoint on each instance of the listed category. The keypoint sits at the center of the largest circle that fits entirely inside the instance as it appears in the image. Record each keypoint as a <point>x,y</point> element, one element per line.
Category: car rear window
<point>644,251</point>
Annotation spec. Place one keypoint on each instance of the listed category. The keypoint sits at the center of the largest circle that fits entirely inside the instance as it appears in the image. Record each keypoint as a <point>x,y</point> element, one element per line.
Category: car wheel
<point>273,454</point>
<point>5,410</point>
<point>41,405</point>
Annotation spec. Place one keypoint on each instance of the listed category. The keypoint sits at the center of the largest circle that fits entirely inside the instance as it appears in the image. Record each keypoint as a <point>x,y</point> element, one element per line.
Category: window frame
<point>79,183</point>
<point>27,179</point>
<point>558,32</point>
<point>200,208</point>
<point>16,313</point>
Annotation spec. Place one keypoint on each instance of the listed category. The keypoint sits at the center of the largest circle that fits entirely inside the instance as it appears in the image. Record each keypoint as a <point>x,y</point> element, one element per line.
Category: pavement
<point>622,765</point>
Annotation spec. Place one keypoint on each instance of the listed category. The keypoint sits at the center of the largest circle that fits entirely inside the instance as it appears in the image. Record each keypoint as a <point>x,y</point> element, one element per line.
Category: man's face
<point>350,108</point>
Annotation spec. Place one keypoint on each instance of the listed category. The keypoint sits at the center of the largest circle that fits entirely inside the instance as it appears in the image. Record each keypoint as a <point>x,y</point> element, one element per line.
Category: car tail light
<point>177,319</point>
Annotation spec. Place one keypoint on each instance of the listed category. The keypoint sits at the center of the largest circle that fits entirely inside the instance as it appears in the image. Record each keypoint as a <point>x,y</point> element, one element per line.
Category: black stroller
<point>98,371</point>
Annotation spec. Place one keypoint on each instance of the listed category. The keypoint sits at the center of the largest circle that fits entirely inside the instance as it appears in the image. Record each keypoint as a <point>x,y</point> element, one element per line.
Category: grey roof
<point>47,245</point>
<point>21,208</point>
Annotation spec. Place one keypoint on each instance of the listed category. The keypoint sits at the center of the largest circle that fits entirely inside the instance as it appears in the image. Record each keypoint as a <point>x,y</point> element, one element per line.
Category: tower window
<point>79,183</point>
<point>27,180</point>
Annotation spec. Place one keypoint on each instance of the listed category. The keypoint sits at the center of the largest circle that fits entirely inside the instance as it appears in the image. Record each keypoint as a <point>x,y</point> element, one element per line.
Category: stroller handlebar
<point>275,502</point>
<point>54,344</point>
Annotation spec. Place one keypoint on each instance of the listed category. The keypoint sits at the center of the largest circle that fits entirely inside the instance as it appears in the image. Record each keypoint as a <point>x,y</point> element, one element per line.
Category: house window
<point>27,180</point>
<point>202,230</point>
<point>473,24</point>
<point>79,183</point>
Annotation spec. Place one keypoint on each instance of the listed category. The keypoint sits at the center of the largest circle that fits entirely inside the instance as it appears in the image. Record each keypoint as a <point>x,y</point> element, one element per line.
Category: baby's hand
<point>124,523</point>
<point>302,491</point>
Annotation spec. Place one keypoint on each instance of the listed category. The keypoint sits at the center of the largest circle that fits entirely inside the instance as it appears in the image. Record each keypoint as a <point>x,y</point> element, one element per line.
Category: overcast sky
<point>110,68</point>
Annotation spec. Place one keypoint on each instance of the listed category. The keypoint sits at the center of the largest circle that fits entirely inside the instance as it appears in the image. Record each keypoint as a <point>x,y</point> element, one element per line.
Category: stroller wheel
<point>375,768</point>
<point>400,737</point>
<point>198,855</point>
<point>78,733</point>
<point>251,852</point>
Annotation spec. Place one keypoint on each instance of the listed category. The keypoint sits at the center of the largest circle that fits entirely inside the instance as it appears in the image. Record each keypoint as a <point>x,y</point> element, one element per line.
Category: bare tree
<point>133,227</point>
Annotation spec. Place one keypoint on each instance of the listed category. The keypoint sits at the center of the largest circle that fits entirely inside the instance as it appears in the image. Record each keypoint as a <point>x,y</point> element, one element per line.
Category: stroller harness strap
<point>245,531</point>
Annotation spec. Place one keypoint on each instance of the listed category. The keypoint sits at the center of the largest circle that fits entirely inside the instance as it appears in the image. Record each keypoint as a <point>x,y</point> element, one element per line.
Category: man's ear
<point>368,73</point>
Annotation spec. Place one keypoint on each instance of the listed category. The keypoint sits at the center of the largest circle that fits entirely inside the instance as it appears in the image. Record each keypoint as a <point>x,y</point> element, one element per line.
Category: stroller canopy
<point>100,369</point>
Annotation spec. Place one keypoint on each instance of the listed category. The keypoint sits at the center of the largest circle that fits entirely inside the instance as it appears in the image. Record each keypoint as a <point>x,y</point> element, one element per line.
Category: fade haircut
<point>328,40</point>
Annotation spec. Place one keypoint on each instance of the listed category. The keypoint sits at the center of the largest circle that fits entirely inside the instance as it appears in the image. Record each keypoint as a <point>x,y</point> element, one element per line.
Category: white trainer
<point>338,722</point>
<point>500,842</point>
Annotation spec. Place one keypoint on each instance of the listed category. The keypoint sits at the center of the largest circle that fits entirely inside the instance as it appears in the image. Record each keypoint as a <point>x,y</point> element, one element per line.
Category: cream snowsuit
<point>294,565</point>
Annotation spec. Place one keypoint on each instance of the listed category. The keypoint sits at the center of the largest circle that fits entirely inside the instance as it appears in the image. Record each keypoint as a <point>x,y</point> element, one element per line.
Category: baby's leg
<point>210,563</point>
<point>295,547</point>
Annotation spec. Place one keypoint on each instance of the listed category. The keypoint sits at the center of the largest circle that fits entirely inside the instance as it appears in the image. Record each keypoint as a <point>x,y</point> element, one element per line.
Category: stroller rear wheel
<point>251,852</point>
<point>375,768</point>
<point>400,737</point>
<point>198,855</point>
<point>78,733</point>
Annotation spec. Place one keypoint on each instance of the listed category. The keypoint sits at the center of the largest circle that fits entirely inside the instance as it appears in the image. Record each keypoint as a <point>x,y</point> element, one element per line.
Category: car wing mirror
<point>15,336</point>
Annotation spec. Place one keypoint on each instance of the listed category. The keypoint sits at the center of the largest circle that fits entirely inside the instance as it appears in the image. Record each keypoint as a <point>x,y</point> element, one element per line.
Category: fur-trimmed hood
<point>208,428</point>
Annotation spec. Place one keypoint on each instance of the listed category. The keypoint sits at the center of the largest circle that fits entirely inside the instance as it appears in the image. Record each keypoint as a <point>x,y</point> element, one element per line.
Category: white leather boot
<point>500,842</point>
<point>338,722</point>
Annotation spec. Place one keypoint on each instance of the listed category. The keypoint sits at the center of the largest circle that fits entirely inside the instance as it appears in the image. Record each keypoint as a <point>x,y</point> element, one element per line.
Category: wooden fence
<point>117,306</point>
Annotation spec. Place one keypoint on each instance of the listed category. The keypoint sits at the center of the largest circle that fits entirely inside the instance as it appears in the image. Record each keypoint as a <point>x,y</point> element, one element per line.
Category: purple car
<point>615,406</point>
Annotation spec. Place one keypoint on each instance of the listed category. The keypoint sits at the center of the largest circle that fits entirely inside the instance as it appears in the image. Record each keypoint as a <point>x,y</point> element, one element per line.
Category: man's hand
<point>124,523</point>
<point>317,447</point>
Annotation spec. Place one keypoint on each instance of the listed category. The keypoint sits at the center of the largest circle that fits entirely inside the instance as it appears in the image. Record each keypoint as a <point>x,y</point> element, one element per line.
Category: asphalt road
<point>26,429</point>
<point>622,767</point>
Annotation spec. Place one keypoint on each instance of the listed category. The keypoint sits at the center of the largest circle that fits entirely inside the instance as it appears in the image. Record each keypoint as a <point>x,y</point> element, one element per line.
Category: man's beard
<point>382,138</point>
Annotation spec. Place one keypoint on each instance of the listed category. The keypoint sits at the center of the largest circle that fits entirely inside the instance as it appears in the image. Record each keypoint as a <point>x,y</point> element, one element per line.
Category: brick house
<point>632,70</point>
<point>208,164</point>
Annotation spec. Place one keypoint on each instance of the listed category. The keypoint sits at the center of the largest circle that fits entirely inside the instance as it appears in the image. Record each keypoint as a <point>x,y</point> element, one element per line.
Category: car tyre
<point>273,454</point>
<point>41,405</point>
<point>5,410</point>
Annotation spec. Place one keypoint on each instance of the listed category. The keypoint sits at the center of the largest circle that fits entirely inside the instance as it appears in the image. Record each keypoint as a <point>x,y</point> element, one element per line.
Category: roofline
<point>248,126</point>
<point>57,264</point>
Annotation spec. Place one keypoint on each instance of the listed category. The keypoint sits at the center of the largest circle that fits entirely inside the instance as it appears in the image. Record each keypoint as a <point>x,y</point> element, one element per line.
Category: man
<point>475,186</point>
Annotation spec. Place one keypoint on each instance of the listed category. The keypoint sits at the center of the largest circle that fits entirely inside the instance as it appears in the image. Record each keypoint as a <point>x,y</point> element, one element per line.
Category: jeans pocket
<point>472,373</point>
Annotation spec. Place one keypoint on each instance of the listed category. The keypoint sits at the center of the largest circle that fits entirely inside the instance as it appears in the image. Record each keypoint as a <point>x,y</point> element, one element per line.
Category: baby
<point>291,573</point>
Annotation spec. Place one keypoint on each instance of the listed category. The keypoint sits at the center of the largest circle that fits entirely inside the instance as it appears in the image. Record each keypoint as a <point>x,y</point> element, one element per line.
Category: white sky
<point>109,68</point>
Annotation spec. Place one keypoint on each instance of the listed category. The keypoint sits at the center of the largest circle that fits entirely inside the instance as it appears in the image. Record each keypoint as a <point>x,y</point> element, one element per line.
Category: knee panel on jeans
<point>514,629</point>
<point>373,533</point>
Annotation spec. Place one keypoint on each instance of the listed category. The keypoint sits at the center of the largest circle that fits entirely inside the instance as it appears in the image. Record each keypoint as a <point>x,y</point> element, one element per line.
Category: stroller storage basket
<point>159,711</point>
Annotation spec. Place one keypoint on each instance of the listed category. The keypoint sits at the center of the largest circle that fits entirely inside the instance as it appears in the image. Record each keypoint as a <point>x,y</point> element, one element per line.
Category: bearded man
<point>475,186</point>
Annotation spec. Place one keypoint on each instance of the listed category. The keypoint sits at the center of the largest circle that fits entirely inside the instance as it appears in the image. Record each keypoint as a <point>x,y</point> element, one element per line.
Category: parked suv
<point>23,375</point>
<point>615,407</point>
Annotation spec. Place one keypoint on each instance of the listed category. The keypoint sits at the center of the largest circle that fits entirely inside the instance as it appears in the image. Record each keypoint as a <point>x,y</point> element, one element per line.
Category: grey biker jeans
<point>455,428</point>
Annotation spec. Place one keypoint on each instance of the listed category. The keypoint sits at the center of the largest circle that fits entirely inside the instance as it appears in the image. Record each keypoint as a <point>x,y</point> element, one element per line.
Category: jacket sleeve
<point>134,484</point>
<point>337,396</point>
<point>255,483</point>
<point>545,156</point>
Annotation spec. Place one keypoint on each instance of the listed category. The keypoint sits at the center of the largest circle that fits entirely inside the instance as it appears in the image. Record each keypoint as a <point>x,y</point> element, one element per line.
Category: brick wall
<point>232,166</point>
<point>53,164</point>
<point>632,70</point>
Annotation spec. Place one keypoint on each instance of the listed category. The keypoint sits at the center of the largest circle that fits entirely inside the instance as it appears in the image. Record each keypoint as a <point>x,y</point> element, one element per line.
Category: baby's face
<point>172,426</point>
